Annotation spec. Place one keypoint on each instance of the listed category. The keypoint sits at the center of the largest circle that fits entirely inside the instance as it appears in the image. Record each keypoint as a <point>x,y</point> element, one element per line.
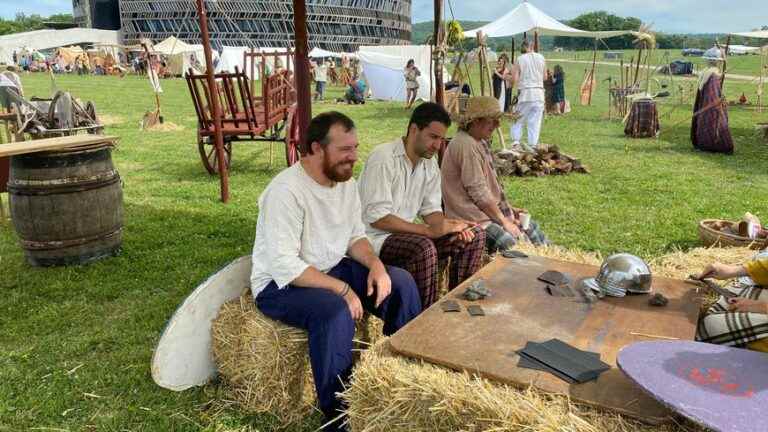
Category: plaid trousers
<point>737,329</point>
<point>422,256</point>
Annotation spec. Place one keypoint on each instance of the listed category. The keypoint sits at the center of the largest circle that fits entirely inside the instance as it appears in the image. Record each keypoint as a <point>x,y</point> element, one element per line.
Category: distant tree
<point>23,22</point>
<point>599,21</point>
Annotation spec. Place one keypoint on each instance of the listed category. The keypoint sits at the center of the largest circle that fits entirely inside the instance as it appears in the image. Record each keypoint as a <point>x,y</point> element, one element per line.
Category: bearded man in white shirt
<point>400,182</point>
<point>313,266</point>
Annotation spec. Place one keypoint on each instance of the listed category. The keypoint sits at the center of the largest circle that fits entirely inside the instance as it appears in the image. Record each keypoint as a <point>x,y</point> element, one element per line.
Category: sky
<point>669,16</point>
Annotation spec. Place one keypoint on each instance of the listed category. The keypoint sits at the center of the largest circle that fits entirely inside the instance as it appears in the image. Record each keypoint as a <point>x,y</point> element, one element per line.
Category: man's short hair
<point>319,127</point>
<point>427,113</point>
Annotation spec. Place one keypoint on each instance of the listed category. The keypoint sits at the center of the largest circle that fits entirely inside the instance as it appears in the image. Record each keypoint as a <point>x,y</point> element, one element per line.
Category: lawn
<point>76,342</point>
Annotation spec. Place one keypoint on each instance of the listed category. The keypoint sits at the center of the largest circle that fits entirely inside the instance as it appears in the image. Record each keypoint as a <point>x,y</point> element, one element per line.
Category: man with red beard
<point>313,266</point>
<point>400,182</point>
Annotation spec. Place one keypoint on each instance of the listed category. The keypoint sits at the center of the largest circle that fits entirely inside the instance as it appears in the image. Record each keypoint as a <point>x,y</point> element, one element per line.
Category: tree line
<point>23,23</point>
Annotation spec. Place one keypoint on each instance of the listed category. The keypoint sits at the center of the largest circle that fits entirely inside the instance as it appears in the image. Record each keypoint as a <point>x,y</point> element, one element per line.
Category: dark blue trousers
<point>330,326</point>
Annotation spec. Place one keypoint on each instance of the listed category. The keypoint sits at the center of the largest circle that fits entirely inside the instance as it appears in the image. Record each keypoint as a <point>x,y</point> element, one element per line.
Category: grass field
<point>76,342</point>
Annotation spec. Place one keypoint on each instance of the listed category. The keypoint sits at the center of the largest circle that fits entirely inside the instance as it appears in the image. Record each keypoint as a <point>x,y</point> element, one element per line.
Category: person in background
<point>320,73</point>
<point>528,73</point>
<point>412,74</point>
<point>502,88</point>
<point>558,89</point>
<point>710,130</point>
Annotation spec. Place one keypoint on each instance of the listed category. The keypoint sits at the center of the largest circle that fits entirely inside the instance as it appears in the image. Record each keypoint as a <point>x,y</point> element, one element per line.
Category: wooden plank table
<point>58,143</point>
<point>520,310</point>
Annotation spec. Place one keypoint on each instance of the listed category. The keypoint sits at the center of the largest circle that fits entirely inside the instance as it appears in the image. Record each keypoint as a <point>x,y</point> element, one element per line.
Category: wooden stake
<point>218,136</point>
<point>301,59</point>
<point>438,47</point>
<point>592,78</point>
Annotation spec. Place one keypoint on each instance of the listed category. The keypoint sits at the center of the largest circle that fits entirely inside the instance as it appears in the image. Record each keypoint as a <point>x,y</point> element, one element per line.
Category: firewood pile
<point>547,160</point>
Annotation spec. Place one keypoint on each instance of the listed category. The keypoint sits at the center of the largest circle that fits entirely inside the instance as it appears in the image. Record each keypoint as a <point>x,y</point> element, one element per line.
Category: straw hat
<point>480,107</point>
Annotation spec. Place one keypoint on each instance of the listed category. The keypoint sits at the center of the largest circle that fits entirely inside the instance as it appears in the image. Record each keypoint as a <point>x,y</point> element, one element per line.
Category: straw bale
<point>165,127</point>
<point>392,393</point>
<point>266,363</point>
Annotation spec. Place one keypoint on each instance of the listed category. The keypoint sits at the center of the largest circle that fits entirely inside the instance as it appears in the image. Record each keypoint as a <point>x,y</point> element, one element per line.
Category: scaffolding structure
<point>337,25</point>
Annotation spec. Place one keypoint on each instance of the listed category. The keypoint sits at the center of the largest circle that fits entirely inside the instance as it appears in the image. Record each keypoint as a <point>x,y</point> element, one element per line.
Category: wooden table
<point>521,310</point>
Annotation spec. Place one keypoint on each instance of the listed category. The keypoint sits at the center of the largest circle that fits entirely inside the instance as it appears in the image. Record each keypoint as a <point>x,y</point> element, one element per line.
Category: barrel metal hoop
<point>62,186</point>
<point>60,244</point>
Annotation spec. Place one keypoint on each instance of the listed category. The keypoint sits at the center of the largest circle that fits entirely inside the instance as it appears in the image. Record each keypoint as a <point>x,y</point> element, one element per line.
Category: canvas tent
<point>6,56</point>
<point>180,56</point>
<point>761,34</point>
<point>47,39</point>
<point>383,67</point>
<point>527,18</point>
<point>319,52</point>
<point>234,56</point>
<point>742,50</point>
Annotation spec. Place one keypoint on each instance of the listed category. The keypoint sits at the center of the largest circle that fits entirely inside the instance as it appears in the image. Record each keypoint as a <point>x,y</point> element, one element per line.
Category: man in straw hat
<point>313,266</point>
<point>400,182</point>
<point>709,127</point>
<point>471,188</point>
<point>528,71</point>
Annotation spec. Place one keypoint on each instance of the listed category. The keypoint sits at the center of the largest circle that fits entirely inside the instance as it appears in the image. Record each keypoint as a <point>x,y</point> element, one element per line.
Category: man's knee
<point>425,251</point>
<point>333,313</point>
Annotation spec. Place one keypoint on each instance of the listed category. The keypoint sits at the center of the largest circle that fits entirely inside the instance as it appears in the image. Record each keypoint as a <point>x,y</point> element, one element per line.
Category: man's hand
<point>512,228</point>
<point>378,281</point>
<point>446,226</point>
<point>354,305</point>
<point>722,271</point>
<point>747,305</point>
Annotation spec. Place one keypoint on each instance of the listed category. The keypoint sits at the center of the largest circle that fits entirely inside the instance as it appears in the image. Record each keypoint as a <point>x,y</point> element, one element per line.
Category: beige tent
<point>69,54</point>
<point>181,56</point>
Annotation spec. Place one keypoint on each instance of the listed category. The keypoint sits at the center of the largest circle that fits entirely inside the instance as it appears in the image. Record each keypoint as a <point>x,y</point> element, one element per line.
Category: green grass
<point>643,196</point>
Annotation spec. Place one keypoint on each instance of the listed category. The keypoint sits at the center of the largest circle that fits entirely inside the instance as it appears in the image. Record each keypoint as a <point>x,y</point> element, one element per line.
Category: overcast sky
<point>671,16</point>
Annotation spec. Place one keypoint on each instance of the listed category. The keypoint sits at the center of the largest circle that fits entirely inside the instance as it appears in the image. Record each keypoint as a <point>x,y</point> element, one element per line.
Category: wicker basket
<point>710,236</point>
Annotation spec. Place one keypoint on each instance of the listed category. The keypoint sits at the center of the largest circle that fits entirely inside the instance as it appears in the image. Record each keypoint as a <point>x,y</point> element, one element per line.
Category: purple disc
<point>719,387</point>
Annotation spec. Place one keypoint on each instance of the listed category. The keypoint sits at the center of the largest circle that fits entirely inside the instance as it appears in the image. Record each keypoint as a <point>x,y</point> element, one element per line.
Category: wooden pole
<point>637,68</point>
<point>218,136</point>
<point>592,79</point>
<point>481,61</point>
<point>536,41</point>
<point>301,59</point>
<point>438,48</point>
<point>725,62</point>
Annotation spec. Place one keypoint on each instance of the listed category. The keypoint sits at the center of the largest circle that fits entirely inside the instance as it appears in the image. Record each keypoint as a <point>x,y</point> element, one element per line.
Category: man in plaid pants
<point>400,182</point>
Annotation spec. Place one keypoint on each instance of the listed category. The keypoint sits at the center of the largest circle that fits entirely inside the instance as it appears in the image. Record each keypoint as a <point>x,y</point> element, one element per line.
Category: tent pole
<point>592,79</point>
<point>438,51</point>
<point>536,41</point>
<point>218,136</point>
<point>301,60</point>
<point>481,61</point>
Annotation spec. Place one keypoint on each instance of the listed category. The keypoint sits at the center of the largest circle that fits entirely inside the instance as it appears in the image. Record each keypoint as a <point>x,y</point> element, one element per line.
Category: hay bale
<point>393,393</point>
<point>266,363</point>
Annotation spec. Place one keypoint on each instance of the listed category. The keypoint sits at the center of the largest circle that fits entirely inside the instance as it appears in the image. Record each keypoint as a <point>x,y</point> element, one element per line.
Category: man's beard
<point>423,152</point>
<point>338,172</point>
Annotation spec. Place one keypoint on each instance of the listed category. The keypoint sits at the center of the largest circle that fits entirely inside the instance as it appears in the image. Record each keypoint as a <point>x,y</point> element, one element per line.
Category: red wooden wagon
<point>245,116</point>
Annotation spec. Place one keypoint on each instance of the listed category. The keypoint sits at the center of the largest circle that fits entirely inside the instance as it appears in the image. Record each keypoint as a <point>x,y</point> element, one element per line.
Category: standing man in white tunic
<point>529,72</point>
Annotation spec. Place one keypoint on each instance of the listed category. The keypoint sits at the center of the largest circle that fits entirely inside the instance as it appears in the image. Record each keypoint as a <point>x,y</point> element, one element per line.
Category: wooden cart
<point>246,117</point>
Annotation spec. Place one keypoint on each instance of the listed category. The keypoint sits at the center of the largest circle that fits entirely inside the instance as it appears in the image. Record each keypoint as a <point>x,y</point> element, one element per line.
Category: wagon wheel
<point>208,154</point>
<point>291,137</point>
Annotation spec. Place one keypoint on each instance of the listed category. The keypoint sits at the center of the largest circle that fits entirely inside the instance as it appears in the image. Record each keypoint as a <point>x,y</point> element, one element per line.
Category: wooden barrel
<point>67,206</point>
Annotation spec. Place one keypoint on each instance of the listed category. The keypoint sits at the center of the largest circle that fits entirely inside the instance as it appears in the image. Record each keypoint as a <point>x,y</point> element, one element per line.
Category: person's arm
<point>758,271</point>
<point>360,250</point>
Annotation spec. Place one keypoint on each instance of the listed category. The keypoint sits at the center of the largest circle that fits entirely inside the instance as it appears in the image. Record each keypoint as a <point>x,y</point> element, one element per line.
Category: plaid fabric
<point>422,257</point>
<point>709,128</point>
<point>496,238</point>
<point>643,121</point>
<point>737,329</point>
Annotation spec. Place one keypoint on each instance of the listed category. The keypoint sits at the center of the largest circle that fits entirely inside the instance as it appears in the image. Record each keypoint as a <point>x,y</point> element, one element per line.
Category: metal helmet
<point>713,54</point>
<point>621,274</point>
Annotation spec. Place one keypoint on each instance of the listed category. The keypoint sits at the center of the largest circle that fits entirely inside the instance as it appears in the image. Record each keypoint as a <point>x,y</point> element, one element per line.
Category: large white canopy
<point>755,34</point>
<point>319,52</point>
<point>46,39</point>
<point>527,18</point>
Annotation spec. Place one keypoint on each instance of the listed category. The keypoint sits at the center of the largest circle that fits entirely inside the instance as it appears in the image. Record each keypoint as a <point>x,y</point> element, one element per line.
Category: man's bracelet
<point>345,291</point>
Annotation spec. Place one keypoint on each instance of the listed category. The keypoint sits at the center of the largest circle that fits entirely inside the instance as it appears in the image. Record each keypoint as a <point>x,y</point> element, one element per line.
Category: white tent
<point>319,52</point>
<point>47,39</point>
<point>762,34</point>
<point>742,50</point>
<point>384,69</point>
<point>527,18</point>
<point>235,56</point>
<point>172,45</point>
<point>6,56</point>
<point>181,56</point>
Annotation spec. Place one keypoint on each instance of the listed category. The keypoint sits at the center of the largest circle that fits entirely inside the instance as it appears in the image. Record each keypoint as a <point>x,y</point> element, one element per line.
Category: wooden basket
<point>712,237</point>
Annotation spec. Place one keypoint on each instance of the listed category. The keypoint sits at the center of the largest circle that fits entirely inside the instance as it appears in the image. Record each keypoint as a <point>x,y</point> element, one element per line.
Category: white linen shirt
<point>531,82</point>
<point>390,185</point>
<point>302,223</point>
